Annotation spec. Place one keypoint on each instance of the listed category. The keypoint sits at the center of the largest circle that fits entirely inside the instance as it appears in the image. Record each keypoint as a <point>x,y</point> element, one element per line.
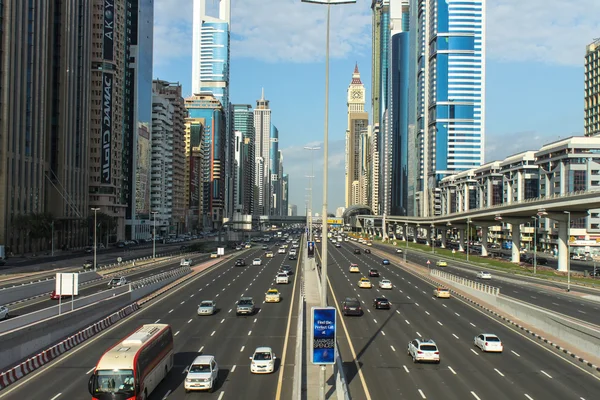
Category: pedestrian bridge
<point>560,208</point>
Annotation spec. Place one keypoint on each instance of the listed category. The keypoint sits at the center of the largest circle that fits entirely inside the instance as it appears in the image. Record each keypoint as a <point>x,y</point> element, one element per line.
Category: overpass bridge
<point>559,208</point>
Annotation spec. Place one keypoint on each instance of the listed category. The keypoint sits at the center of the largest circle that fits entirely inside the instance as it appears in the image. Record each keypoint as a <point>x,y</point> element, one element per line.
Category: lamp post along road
<point>568,250</point>
<point>95,210</point>
<point>536,219</point>
<point>311,177</point>
<point>154,236</point>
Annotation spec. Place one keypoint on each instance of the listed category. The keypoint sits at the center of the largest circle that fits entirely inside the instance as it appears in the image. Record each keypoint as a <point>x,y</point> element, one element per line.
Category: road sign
<point>324,327</point>
<point>220,251</point>
<point>119,259</point>
<point>311,249</point>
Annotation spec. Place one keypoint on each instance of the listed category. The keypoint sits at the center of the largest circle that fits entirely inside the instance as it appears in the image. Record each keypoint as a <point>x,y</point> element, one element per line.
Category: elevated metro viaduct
<point>561,209</point>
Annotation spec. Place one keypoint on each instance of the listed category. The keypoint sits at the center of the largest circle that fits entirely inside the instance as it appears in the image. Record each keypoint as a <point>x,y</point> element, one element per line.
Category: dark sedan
<point>373,272</point>
<point>292,257</point>
<point>351,306</point>
<point>381,303</point>
<point>240,262</point>
<point>367,251</point>
<point>356,251</point>
<point>287,269</point>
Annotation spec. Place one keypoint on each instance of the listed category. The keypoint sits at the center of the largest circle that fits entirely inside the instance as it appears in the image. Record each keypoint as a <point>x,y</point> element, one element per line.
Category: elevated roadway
<point>229,338</point>
<point>525,370</point>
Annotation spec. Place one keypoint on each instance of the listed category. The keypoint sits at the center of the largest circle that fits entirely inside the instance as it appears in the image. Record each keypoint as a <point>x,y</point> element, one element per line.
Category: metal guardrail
<point>466,282</point>
<point>175,273</point>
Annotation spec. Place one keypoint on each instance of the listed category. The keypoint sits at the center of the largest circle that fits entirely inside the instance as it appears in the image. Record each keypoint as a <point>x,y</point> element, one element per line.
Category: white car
<point>117,282</point>
<point>281,250</point>
<point>398,251</point>
<point>207,307</point>
<point>257,261</point>
<point>202,374</point>
<point>423,350</point>
<point>282,277</point>
<point>186,262</point>
<point>484,275</point>
<point>385,284</point>
<point>488,342</point>
<point>262,361</point>
<point>3,312</point>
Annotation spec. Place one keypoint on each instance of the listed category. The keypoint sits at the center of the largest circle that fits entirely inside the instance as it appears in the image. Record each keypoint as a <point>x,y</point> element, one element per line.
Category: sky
<point>534,80</point>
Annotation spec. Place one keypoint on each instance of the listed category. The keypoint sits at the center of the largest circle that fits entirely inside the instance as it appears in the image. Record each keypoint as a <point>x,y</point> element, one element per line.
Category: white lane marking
<point>528,396</point>
<point>170,311</point>
<point>474,395</point>
<point>417,304</point>
<point>221,395</point>
<point>368,310</point>
<point>223,320</point>
<point>455,335</point>
<point>556,304</point>
<point>453,371</point>
<point>190,321</point>
<point>156,322</point>
<point>217,295</point>
<point>182,302</point>
<point>427,312</point>
<point>383,333</point>
<point>515,353</point>
<point>440,323</point>
<point>408,297</point>
<point>374,320</point>
<point>398,311</point>
<point>192,295</point>
<point>249,333</point>
<point>457,314</point>
<point>422,394</point>
<point>56,397</point>
<point>545,373</point>
<point>474,352</point>
<point>232,369</point>
<point>167,394</point>
<point>176,333</point>
<point>418,334</point>
<point>200,349</point>
<point>443,305</point>
<point>406,369</point>
<point>230,310</point>
<point>213,332</point>
<point>533,297</point>
<point>87,373</point>
<point>255,319</point>
<point>242,349</point>
<point>472,324</point>
<point>583,312</point>
<point>499,373</point>
<point>393,348</point>
<point>407,321</point>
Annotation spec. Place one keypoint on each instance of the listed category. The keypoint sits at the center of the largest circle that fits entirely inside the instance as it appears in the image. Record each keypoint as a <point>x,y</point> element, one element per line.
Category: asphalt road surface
<point>229,338</point>
<point>546,294</point>
<point>525,370</point>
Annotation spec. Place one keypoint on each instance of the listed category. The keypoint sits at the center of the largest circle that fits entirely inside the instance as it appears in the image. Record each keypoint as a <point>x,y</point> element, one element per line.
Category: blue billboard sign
<point>324,327</point>
<point>311,249</point>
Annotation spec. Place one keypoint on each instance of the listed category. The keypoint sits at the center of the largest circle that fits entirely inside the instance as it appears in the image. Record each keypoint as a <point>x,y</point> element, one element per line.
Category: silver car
<point>207,307</point>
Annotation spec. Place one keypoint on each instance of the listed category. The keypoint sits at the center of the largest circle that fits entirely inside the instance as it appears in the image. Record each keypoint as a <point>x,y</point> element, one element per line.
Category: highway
<point>229,338</point>
<point>526,370</point>
<point>40,302</point>
<point>546,294</point>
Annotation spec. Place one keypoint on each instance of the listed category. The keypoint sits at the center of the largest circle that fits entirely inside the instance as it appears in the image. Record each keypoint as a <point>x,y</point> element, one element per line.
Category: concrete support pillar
<point>563,246</point>
<point>484,240</point>
<point>461,239</point>
<point>444,232</point>
<point>516,242</point>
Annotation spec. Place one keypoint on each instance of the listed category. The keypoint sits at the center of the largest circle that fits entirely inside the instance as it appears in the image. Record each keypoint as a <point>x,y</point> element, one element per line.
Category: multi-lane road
<point>231,339</point>
<point>547,294</point>
<point>377,366</point>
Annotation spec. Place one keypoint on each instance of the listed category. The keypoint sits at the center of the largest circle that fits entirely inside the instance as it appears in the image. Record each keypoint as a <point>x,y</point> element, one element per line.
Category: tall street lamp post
<point>568,250</point>
<point>312,149</point>
<point>95,210</point>
<point>154,235</point>
<point>324,228</point>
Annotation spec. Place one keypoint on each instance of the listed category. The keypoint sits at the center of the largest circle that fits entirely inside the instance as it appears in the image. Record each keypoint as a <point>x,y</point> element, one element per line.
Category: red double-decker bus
<point>133,368</point>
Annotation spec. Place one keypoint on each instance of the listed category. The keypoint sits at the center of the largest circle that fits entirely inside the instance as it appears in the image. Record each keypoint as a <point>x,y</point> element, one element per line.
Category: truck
<point>66,285</point>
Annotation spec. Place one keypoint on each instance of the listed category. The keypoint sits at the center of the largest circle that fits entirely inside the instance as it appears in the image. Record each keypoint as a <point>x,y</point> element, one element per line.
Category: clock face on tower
<point>356,95</point>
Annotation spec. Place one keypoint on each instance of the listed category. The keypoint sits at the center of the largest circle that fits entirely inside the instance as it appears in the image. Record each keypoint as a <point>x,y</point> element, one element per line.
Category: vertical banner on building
<point>324,327</point>
<point>108,30</point>
<point>106,136</point>
<point>311,249</point>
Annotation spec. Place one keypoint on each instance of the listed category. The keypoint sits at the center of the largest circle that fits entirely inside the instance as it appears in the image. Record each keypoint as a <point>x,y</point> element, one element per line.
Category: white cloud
<point>268,30</point>
<point>500,146</point>
<point>549,31</point>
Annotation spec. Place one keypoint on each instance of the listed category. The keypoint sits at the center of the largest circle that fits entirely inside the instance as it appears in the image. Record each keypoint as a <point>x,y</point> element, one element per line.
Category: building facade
<point>274,190</point>
<point>44,124</point>
<point>243,121</point>
<point>238,177</point>
<point>591,122</point>
<point>357,124</point>
<point>262,148</point>
<point>172,91</point>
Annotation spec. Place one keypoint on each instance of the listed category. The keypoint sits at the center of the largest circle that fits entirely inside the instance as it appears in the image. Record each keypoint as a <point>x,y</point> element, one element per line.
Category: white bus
<point>133,368</point>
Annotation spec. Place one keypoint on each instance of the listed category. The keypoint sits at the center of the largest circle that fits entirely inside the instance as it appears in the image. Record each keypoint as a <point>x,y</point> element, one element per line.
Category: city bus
<point>133,368</point>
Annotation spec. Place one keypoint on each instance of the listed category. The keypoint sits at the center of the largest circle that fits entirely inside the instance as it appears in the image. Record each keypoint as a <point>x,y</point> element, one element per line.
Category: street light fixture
<point>540,213</point>
<point>95,210</point>
<point>468,237</point>
<point>154,235</point>
<point>433,239</point>
<point>568,250</point>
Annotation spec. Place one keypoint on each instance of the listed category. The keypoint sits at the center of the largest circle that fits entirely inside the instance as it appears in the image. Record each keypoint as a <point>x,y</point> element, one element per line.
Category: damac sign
<point>108,30</point>
<point>107,84</point>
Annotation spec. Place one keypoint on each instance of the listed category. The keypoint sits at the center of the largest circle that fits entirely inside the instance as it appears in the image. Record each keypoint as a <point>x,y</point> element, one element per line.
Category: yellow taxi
<point>441,263</point>
<point>354,268</point>
<point>272,296</point>
<point>365,283</point>
<point>269,254</point>
<point>441,292</point>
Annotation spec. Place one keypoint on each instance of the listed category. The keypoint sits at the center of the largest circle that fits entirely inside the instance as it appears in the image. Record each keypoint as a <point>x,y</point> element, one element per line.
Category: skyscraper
<point>592,89</point>
<point>238,177</point>
<point>285,184</point>
<point>243,121</point>
<point>262,147</point>
<point>357,123</point>
<point>275,194</point>
<point>44,123</point>
<point>449,40</point>
<point>137,123</point>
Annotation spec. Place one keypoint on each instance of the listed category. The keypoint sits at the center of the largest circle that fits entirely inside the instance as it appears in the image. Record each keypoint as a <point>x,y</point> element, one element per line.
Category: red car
<point>373,272</point>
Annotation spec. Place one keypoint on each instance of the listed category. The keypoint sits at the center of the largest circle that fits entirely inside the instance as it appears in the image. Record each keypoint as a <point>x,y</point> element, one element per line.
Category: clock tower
<point>356,93</point>
<point>358,121</point>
